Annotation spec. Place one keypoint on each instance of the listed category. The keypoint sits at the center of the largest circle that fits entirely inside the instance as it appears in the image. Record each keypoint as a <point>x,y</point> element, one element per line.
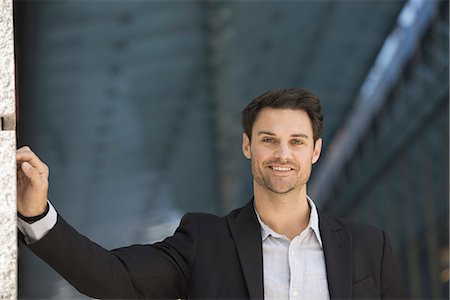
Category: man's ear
<point>246,146</point>
<point>317,150</point>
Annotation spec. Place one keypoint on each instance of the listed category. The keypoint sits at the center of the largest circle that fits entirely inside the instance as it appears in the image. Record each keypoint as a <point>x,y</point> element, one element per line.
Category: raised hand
<point>32,183</point>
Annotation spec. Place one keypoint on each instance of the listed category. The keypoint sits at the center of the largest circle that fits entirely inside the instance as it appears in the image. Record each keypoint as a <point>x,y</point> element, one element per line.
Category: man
<point>277,246</point>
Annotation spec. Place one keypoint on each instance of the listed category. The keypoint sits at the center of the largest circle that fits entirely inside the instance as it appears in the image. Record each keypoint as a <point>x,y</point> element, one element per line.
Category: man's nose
<point>282,152</point>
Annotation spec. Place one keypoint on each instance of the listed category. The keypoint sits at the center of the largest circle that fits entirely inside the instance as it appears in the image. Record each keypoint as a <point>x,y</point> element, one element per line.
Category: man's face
<point>282,150</point>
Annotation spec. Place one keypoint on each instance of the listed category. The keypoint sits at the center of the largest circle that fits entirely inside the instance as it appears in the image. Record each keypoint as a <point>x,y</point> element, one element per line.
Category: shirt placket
<point>297,267</point>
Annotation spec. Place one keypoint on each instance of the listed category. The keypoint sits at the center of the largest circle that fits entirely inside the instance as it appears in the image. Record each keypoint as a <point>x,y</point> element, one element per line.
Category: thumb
<point>29,171</point>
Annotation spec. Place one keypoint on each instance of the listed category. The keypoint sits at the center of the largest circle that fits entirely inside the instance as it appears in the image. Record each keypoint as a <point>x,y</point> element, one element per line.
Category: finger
<point>28,155</point>
<point>24,148</point>
<point>31,158</point>
<point>31,173</point>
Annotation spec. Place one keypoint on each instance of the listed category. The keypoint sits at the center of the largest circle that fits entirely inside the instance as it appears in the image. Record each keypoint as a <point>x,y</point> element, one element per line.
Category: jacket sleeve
<point>153,271</point>
<point>392,286</point>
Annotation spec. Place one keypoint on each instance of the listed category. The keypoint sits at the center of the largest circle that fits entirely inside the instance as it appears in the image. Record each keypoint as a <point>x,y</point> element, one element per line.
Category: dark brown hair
<point>291,98</point>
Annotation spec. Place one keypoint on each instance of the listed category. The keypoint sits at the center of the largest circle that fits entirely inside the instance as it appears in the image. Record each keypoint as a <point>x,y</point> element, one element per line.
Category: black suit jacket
<point>212,257</point>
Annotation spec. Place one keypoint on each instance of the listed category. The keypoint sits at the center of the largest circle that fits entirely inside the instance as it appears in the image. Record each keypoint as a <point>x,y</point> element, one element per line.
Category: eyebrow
<point>265,132</point>
<point>300,135</point>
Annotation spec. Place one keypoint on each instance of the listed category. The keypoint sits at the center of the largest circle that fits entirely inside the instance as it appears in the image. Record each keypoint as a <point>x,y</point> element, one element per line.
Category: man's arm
<point>100,273</point>
<point>139,271</point>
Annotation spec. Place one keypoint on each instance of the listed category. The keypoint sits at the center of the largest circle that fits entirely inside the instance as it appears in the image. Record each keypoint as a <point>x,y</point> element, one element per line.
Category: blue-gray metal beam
<point>387,147</point>
<point>397,50</point>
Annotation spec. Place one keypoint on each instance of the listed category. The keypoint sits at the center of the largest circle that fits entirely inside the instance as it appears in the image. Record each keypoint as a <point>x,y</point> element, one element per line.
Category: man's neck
<point>286,214</point>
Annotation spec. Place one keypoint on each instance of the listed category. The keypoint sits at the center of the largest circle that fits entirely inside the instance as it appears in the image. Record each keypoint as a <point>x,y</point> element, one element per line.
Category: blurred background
<point>135,106</point>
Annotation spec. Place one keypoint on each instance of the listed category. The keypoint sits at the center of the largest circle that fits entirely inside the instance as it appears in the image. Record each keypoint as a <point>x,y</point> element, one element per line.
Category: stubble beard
<point>279,184</point>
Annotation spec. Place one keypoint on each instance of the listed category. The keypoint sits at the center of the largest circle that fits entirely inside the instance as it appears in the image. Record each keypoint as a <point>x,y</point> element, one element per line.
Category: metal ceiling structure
<point>135,106</point>
<point>398,49</point>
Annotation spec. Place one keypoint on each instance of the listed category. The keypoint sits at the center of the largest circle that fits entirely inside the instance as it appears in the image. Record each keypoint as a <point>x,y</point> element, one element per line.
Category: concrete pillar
<point>8,228</point>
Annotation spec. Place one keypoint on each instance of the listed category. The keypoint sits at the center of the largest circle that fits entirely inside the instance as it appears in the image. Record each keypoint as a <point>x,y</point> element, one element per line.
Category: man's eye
<point>297,142</point>
<point>267,140</point>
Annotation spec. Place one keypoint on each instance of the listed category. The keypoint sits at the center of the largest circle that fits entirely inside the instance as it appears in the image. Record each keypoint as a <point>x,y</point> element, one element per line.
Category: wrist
<point>34,217</point>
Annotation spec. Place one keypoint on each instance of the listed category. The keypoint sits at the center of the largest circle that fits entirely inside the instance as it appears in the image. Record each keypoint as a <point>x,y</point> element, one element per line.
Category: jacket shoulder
<point>202,217</point>
<point>360,232</point>
<point>219,226</point>
<point>204,223</point>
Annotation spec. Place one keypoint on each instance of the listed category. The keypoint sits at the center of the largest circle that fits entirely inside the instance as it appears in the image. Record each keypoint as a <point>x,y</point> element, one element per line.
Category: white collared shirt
<point>294,269</point>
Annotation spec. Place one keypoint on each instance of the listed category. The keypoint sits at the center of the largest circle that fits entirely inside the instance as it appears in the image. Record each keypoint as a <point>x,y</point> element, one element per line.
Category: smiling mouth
<point>281,169</point>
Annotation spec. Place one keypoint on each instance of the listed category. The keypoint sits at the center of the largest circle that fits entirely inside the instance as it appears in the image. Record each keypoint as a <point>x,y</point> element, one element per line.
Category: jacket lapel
<point>337,247</point>
<point>246,232</point>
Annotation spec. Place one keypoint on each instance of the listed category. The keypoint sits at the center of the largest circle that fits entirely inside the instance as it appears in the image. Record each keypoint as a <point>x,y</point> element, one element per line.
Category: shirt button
<point>295,293</point>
